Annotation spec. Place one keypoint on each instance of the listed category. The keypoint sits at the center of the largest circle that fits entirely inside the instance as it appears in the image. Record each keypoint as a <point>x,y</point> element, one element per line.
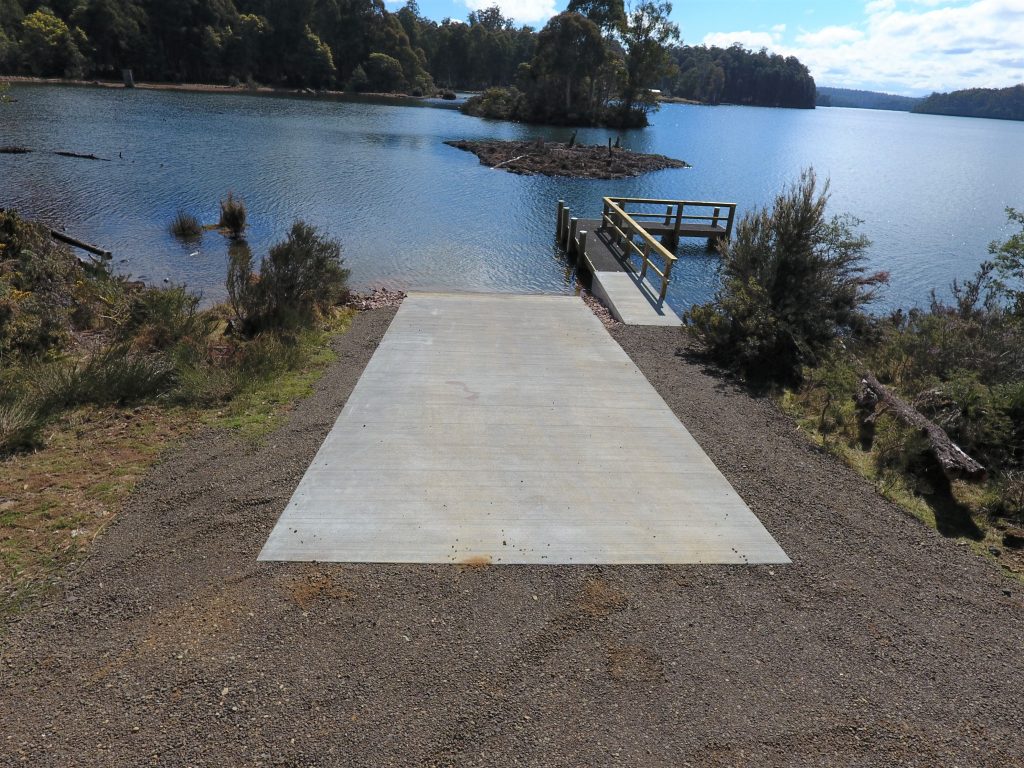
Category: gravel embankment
<point>882,644</point>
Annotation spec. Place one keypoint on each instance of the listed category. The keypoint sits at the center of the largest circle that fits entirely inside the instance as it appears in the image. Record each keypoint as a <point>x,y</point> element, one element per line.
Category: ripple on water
<point>414,213</point>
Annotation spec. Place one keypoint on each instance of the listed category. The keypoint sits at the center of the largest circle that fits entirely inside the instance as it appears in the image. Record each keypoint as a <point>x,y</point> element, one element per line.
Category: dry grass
<point>55,501</point>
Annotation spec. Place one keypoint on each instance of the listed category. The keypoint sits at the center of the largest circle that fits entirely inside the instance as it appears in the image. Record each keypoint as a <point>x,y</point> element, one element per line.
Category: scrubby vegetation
<point>789,315</point>
<point>97,374</point>
<point>300,279</point>
<point>793,281</point>
<point>73,334</point>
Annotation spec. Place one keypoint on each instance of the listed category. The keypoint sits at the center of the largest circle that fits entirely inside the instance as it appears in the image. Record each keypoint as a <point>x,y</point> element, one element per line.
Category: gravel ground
<point>882,644</point>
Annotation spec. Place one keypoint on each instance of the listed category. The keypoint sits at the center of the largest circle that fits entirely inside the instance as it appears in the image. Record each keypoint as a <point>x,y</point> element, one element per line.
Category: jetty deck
<point>511,429</point>
<point>627,254</point>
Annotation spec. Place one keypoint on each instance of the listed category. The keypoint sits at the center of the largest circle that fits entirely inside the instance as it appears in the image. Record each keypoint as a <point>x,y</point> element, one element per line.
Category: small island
<point>559,159</point>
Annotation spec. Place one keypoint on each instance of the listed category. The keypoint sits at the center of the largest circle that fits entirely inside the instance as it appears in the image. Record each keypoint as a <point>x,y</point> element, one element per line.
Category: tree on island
<point>594,67</point>
<point>645,36</point>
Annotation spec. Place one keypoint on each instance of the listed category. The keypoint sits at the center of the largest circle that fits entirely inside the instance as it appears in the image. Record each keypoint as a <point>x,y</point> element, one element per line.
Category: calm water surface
<point>414,213</point>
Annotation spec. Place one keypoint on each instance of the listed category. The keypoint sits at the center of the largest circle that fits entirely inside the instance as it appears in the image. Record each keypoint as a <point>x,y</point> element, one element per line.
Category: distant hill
<point>997,103</point>
<point>848,97</point>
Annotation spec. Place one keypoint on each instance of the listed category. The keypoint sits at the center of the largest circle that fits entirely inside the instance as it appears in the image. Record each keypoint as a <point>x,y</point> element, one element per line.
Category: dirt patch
<point>310,587</point>
<point>882,644</point>
<point>599,599</point>
<point>556,159</point>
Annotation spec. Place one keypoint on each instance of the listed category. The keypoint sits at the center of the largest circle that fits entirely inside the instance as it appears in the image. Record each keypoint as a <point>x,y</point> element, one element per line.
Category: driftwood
<point>80,156</point>
<point>950,457</point>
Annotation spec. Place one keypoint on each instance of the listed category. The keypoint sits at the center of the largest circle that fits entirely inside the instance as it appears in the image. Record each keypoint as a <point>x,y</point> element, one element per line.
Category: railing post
<point>647,258</point>
<point>564,237</point>
<point>573,225</point>
<point>558,221</point>
<point>728,225</point>
<point>714,217</point>
<point>581,251</point>
<point>668,215</point>
<point>679,220</point>
<point>664,281</point>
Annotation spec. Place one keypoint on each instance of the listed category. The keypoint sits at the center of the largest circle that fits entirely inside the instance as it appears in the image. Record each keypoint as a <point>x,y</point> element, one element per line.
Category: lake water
<point>412,212</point>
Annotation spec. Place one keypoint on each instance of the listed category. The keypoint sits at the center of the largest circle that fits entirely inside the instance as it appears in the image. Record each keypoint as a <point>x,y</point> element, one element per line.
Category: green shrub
<point>384,73</point>
<point>299,279</point>
<point>359,82</point>
<point>497,104</point>
<point>19,426</point>
<point>159,318</point>
<point>41,288</point>
<point>186,226</point>
<point>233,216</point>
<point>793,281</point>
<point>114,374</point>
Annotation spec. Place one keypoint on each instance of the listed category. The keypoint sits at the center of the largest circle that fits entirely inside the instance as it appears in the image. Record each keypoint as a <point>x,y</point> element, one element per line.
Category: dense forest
<point>849,97</point>
<point>354,44</point>
<point>595,63</point>
<point>997,103</point>
<point>735,75</point>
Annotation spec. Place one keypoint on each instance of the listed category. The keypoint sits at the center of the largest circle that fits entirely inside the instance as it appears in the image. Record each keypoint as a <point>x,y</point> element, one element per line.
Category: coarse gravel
<point>882,644</point>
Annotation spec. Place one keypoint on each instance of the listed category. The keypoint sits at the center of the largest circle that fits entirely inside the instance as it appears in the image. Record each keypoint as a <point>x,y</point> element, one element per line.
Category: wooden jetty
<point>629,266</point>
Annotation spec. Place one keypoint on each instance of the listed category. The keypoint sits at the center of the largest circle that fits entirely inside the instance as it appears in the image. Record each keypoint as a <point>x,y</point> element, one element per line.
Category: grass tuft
<point>233,216</point>
<point>186,226</point>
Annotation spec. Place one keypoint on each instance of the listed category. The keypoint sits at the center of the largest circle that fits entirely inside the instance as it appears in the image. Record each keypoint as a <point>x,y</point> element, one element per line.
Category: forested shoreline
<point>995,103</point>
<point>596,63</point>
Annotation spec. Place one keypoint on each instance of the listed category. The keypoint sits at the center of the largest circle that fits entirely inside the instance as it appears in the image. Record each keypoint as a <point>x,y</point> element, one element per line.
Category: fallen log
<point>80,156</point>
<point>81,244</point>
<point>952,459</point>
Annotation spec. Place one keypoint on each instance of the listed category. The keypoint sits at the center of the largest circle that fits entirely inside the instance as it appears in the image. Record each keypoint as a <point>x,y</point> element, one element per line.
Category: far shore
<point>211,88</point>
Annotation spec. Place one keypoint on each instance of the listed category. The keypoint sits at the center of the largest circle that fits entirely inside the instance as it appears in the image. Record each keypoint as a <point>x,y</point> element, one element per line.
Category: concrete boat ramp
<point>511,429</point>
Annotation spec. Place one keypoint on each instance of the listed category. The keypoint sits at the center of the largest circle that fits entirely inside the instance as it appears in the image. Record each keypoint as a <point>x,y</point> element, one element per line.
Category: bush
<point>496,104</point>
<point>42,287</point>
<point>793,281</point>
<point>359,82</point>
<point>159,318</point>
<point>233,216</point>
<point>19,426</point>
<point>384,73</point>
<point>186,226</point>
<point>115,374</point>
<point>299,279</point>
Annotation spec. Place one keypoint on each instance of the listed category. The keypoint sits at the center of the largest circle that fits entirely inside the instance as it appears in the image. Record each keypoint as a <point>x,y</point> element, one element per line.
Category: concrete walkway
<point>511,429</point>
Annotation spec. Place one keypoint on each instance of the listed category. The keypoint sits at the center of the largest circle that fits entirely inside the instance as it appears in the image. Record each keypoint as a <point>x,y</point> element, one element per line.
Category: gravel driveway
<point>882,644</point>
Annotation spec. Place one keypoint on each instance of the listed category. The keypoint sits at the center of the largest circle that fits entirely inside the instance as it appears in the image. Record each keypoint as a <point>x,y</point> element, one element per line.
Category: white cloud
<point>829,36</point>
<point>748,38</point>
<point>924,46</point>
<point>522,11</point>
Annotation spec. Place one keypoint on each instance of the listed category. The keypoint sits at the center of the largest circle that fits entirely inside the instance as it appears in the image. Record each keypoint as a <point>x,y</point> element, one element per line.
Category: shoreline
<point>258,90</point>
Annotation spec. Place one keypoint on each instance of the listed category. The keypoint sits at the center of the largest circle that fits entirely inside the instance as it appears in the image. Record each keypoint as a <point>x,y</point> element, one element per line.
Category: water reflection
<point>414,213</point>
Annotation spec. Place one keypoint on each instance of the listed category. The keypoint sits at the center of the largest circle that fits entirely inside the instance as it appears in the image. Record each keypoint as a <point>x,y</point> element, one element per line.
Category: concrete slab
<point>511,429</point>
<point>631,300</point>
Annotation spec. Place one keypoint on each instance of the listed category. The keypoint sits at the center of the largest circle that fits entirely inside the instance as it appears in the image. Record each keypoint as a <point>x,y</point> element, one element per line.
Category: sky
<point>908,47</point>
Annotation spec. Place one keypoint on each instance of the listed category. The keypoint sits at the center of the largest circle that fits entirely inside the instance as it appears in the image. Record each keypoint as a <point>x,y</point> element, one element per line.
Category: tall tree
<point>645,37</point>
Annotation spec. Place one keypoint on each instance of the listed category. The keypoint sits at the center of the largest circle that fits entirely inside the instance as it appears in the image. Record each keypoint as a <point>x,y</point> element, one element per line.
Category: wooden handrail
<point>614,216</point>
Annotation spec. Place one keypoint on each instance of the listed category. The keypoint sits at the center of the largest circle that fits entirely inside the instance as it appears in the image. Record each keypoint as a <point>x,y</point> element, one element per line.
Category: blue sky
<point>899,46</point>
